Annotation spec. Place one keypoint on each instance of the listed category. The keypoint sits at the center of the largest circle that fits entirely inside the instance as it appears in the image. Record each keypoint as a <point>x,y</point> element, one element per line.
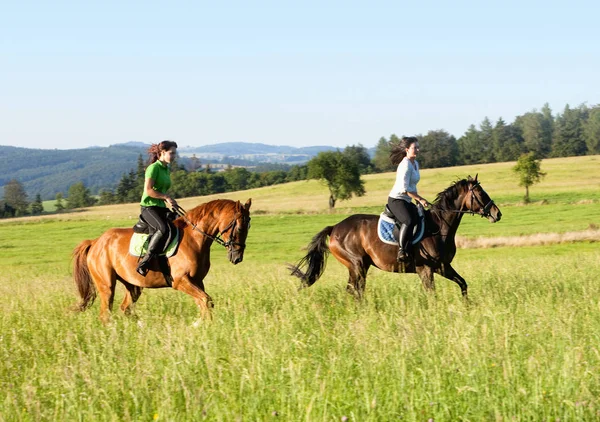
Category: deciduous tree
<point>341,174</point>
<point>16,197</point>
<point>79,196</point>
<point>360,155</point>
<point>438,149</point>
<point>381,158</point>
<point>529,171</point>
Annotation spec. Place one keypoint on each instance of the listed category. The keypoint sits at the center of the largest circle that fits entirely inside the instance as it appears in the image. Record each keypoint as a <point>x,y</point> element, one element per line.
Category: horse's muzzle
<point>235,257</point>
<point>495,215</point>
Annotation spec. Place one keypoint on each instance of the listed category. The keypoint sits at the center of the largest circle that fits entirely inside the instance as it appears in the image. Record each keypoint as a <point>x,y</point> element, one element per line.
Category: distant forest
<point>575,131</point>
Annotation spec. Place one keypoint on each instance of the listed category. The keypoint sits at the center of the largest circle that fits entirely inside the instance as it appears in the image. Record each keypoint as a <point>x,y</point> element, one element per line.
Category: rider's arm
<point>151,192</point>
<point>418,198</point>
<point>413,194</point>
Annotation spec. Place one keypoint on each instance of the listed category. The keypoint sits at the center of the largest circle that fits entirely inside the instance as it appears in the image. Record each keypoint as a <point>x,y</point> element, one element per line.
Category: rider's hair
<point>398,151</point>
<point>155,150</point>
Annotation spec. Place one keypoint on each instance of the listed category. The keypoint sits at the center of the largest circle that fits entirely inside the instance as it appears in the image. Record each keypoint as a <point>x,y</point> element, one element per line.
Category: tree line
<point>576,131</point>
<point>539,134</point>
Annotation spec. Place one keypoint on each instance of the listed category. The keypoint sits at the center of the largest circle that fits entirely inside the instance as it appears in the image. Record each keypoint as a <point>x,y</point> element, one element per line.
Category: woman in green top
<point>155,200</point>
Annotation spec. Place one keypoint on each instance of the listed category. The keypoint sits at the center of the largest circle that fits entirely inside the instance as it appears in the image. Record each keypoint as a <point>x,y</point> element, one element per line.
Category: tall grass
<point>525,348</point>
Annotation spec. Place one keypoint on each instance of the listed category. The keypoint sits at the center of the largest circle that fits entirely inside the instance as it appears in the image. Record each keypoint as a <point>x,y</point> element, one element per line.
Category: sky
<point>89,73</point>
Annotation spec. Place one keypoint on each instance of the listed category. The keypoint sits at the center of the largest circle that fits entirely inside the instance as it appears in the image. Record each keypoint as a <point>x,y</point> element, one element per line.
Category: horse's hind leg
<point>105,280</point>
<point>426,275</point>
<point>357,265</point>
<point>357,278</point>
<point>131,296</point>
<point>450,273</point>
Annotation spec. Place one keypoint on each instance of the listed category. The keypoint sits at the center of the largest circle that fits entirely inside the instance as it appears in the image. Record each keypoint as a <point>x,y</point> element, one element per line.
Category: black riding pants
<point>156,217</point>
<point>405,212</point>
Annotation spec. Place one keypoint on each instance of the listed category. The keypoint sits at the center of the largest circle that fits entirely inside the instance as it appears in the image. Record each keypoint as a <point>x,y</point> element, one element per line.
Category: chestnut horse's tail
<point>314,260</point>
<point>81,274</point>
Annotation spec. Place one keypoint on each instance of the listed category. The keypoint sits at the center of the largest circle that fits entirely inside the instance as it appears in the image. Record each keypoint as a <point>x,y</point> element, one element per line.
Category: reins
<point>485,209</point>
<point>226,244</point>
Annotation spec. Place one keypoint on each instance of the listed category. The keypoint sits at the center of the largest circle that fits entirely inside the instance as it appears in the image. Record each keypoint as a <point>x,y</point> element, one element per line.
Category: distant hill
<point>256,152</point>
<point>49,171</point>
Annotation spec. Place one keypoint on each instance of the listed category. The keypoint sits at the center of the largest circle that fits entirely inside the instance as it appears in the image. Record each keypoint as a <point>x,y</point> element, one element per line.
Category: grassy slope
<point>567,199</point>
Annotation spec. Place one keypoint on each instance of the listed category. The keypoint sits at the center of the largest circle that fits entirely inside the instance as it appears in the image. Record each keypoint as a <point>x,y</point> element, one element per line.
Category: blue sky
<point>77,74</point>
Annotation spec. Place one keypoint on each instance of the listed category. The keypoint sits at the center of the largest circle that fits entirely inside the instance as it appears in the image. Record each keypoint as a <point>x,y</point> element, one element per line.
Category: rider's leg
<point>156,218</point>
<point>155,246</point>
<point>406,214</point>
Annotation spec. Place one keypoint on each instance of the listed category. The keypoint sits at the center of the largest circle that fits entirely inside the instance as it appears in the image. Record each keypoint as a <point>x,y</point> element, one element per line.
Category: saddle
<point>142,227</point>
<point>388,228</point>
<point>138,245</point>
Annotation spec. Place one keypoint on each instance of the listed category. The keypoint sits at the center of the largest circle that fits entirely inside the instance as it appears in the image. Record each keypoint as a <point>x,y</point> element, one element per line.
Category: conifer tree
<point>36,206</point>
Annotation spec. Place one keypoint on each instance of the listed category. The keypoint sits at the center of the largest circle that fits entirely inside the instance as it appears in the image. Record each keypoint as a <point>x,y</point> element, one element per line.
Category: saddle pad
<point>138,246</point>
<point>385,230</point>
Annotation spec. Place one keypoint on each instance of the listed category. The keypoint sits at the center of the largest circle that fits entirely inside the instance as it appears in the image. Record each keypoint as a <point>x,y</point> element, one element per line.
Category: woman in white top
<point>404,155</point>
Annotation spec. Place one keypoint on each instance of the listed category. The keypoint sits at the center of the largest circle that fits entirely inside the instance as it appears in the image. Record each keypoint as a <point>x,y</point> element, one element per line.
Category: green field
<point>527,347</point>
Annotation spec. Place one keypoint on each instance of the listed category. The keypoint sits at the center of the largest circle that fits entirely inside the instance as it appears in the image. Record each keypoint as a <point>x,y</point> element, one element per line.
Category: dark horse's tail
<point>314,260</point>
<point>81,274</point>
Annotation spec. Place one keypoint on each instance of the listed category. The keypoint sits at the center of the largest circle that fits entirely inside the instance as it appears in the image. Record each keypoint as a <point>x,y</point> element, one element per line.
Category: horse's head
<point>234,230</point>
<point>478,201</point>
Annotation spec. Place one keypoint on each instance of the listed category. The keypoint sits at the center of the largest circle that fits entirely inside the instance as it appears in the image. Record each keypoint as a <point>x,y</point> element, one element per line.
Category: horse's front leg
<point>195,288</point>
<point>450,273</point>
<point>426,275</point>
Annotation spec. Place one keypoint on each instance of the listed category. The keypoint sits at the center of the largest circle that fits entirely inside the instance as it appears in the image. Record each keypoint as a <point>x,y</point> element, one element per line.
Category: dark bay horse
<point>100,263</point>
<point>355,243</point>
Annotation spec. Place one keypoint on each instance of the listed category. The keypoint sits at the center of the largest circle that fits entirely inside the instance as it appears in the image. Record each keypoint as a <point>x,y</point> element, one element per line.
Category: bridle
<point>226,244</point>
<point>484,209</point>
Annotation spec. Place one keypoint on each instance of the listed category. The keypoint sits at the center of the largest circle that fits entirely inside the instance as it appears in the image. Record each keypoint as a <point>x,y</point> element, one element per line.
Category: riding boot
<point>154,248</point>
<point>403,244</point>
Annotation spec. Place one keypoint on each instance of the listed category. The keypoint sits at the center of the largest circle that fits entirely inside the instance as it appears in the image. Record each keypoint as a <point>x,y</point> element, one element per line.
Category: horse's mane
<point>208,208</point>
<point>445,199</point>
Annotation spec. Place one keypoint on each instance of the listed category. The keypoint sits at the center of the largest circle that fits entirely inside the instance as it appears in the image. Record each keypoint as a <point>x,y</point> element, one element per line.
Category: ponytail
<point>398,151</point>
<point>155,150</point>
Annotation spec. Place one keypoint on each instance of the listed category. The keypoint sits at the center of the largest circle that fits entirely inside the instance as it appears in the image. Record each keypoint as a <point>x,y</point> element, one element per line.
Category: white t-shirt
<point>407,177</point>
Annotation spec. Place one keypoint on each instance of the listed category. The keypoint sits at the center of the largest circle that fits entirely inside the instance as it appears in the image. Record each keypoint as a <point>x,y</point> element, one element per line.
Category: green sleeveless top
<point>160,173</point>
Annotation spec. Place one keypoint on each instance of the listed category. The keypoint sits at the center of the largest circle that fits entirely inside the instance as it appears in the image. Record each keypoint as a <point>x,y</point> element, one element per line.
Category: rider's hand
<point>172,203</point>
<point>424,202</point>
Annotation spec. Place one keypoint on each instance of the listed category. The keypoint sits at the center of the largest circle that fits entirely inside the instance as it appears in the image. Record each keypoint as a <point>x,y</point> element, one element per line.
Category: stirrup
<point>402,256</point>
<point>142,269</point>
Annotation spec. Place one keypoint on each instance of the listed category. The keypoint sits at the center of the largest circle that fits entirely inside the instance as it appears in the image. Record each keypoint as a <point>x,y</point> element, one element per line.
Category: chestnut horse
<point>99,263</point>
<point>355,243</point>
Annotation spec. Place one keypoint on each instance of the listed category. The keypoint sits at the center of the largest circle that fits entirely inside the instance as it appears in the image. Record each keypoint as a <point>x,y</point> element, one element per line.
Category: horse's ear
<point>476,174</point>
<point>248,203</point>
<point>469,178</point>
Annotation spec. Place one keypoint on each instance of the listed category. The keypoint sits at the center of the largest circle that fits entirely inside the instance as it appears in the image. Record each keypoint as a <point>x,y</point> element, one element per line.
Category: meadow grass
<point>524,348</point>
